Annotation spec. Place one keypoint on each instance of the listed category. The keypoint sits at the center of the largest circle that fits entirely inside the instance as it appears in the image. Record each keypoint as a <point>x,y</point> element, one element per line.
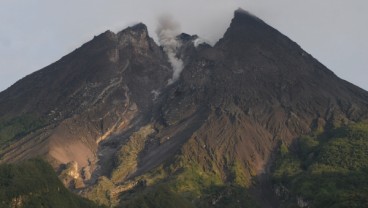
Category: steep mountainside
<point>117,132</point>
<point>82,98</point>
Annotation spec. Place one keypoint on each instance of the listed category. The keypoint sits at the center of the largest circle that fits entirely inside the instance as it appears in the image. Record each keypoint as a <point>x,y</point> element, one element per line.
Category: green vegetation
<point>101,192</point>
<point>17,127</point>
<point>158,197</point>
<point>34,183</point>
<point>127,159</point>
<point>185,183</point>
<point>162,196</point>
<point>190,179</point>
<point>326,170</point>
<point>229,196</point>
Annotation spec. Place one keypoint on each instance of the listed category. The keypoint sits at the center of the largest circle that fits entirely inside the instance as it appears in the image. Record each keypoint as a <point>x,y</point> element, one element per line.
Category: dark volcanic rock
<point>260,88</point>
<point>86,96</point>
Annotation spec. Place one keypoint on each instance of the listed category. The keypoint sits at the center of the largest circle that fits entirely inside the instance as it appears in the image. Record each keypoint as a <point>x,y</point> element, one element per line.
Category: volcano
<point>116,131</point>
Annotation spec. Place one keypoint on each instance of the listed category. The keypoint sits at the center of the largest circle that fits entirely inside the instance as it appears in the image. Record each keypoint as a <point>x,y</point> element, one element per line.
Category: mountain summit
<point>115,129</point>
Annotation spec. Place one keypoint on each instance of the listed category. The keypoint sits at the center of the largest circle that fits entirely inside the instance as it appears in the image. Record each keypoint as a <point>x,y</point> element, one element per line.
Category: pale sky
<point>36,33</point>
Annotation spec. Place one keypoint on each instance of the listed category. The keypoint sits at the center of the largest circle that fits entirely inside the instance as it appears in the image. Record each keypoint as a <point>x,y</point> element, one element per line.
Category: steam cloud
<point>167,31</point>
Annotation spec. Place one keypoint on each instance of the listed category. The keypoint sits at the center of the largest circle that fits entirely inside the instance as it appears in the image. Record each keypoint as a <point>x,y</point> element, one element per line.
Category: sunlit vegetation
<point>157,197</point>
<point>162,196</point>
<point>101,192</point>
<point>325,170</point>
<point>127,159</point>
<point>186,184</point>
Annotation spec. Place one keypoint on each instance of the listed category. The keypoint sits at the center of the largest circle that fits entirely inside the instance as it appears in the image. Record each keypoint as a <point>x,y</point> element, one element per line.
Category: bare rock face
<point>254,89</point>
<point>108,106</point>
<point>85,97</point>
<point>70,175</point>
<point>237,101</point>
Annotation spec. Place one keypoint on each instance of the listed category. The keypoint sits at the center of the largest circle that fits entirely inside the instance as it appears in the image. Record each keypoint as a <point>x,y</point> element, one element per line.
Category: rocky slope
<point>84,97</point>
<point>107,109</point>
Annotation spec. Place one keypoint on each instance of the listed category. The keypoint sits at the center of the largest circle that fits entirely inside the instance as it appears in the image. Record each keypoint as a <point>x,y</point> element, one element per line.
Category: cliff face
<point>108,107</point>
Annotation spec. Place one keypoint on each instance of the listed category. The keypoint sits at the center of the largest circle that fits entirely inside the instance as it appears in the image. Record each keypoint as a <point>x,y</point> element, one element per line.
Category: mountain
<point>117,130</point>
<point>83,97</point>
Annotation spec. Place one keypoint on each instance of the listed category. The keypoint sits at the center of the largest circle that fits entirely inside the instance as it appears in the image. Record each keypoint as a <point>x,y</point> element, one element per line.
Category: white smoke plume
<point>167,31</point>
<point>198,42</point>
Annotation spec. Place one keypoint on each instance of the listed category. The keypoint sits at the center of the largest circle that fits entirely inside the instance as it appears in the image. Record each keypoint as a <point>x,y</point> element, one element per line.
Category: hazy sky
<point>36,33</point>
